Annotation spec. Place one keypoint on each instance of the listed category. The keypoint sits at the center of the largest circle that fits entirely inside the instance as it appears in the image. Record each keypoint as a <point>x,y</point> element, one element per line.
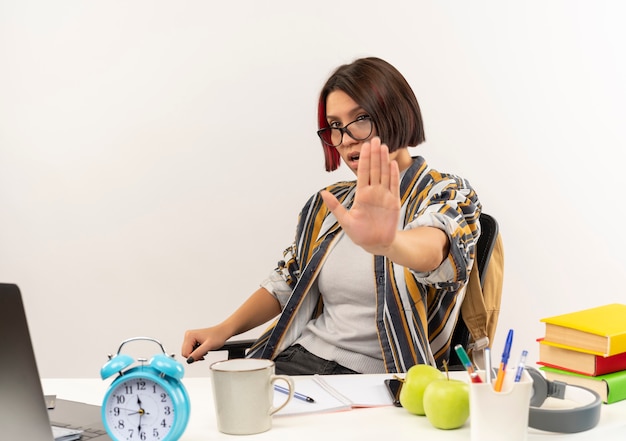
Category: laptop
<point>24,413</point>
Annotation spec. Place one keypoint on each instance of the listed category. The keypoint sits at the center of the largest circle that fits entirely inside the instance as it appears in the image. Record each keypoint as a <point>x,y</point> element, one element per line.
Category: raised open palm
<point>372,221</point>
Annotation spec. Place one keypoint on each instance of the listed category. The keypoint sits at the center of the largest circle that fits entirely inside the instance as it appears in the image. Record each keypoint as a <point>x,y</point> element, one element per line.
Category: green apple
<point>415,382</point>
<point>446,403</point>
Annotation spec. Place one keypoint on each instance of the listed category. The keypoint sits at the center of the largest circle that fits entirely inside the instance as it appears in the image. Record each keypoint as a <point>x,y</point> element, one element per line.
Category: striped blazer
<point>415,312</point>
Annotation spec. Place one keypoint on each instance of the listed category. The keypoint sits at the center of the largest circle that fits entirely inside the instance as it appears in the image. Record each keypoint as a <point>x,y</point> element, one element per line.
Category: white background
<point>154,154</point>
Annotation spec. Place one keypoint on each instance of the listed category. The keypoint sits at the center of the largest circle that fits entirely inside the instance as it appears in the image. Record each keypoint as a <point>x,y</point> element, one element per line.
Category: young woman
<point>375,278</point>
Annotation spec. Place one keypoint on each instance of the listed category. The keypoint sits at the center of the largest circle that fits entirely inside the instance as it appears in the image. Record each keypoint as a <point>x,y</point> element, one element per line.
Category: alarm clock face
<point>139,408</point>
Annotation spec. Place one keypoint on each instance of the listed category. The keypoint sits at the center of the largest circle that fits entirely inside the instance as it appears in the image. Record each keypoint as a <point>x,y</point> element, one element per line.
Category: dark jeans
<point>295,360</point>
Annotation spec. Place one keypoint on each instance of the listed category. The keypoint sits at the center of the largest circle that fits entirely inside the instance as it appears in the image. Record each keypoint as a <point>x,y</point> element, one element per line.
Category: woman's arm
<point>260,307</point>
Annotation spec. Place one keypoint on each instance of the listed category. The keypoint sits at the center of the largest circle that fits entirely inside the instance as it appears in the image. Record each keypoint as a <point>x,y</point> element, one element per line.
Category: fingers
<point>384,165</point>
<point>333,205</point>
<point>330,200</point>
<point>375,166</point>
<point>192,348</point>
<point>197,355</point>
<point>375,161</point>
<point>188,345</point>
<point>394,178</point>
<point>363,171</point>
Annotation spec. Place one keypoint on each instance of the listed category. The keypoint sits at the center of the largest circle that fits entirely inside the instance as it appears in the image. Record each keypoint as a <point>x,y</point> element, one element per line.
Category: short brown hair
<point>384,94</point>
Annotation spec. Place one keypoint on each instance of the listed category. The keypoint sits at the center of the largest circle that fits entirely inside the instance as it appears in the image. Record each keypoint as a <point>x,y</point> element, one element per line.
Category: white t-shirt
<point>345,332</point>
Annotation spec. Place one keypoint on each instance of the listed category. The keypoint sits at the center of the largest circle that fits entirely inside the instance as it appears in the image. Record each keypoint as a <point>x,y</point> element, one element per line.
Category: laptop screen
<point>23,413</point>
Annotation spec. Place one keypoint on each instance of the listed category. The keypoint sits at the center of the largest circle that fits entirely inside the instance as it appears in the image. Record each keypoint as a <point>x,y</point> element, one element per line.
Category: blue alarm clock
<point>147,402</point>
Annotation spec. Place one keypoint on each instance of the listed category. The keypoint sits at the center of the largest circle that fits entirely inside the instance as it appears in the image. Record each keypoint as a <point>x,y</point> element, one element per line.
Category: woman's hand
<point>372,221</point>
<point>260,307</point>
<point>198,342</point>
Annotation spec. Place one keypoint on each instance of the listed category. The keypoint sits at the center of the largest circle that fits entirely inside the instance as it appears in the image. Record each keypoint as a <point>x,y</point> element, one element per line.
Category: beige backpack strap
<point>492,287</point>
<point>481,305</point>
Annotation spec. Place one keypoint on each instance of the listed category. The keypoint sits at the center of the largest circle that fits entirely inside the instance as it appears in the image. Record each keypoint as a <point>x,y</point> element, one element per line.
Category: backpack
<point>481,305</point>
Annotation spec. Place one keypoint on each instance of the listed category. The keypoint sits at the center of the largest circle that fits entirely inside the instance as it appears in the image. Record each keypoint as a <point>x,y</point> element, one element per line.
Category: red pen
<point>475,378</point>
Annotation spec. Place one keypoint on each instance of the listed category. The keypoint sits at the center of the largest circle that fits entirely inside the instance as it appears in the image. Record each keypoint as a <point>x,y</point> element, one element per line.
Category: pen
<point>295,394</point>
<point>488,371</point>
<point>467,363</point>
<point>504,361</point>
<point>520,366</point>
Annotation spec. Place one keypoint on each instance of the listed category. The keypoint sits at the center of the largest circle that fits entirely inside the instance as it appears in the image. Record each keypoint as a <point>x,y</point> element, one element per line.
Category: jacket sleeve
<point>450,204</point>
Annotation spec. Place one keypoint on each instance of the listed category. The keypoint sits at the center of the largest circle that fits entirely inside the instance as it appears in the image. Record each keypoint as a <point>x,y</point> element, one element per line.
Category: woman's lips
<point>352,159</point>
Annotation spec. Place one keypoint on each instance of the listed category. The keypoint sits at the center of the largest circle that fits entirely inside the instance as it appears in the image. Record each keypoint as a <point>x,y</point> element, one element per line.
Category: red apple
<point>446,403</point>
<point>415,382</point>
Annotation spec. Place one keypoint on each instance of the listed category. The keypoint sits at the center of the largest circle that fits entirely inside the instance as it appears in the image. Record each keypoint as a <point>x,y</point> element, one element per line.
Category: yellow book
<point>600,330</point>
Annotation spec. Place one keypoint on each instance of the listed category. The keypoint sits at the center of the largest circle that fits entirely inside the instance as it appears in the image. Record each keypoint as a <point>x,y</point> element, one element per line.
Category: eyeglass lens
<point>358,130</point>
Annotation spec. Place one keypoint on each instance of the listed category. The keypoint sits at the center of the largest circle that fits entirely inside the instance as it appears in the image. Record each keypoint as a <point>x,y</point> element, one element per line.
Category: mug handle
<point>291,388</point>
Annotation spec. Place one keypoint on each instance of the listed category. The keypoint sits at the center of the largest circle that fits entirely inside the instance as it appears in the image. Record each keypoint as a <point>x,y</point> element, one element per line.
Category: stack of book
<point>587,348</point>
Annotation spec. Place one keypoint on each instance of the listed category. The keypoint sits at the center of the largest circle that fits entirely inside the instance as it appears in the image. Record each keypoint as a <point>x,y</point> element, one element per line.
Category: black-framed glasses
<point>360,129</point>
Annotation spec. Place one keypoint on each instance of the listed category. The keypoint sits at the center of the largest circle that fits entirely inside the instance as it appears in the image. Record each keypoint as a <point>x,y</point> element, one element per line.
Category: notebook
<point>24,412</point>
<point>332,393</point>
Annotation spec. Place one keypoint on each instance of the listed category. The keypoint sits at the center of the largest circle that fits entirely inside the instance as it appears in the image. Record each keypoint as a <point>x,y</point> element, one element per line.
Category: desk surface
<point>363,424</point>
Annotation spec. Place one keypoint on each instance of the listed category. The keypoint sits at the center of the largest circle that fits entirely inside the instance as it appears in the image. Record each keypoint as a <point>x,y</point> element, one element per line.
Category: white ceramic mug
<point>243,391</point>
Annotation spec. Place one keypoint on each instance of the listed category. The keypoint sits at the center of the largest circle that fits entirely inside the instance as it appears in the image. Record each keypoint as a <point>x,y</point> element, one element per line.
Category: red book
<point>574,360</point>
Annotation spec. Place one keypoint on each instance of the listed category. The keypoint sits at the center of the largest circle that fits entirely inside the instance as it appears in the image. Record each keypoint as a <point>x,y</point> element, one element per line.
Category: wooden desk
<point>382,423</point>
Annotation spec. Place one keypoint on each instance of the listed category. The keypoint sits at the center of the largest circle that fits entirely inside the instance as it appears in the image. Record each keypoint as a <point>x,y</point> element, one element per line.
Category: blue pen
<point>520,366</point>
<point>295,394</point>
<point>505,359</point>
